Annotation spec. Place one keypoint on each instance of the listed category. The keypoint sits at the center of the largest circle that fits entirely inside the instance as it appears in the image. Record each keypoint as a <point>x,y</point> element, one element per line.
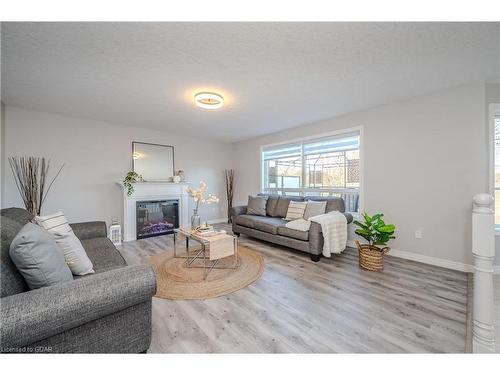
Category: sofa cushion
<point>256,206</point>
<point>293,233</point>
<point>38,258</point>
<point>283,202</point>
<point>332,203</point>
<point>245,220</point>
<point>103,254</point>
<point>269,224</point>
<point>17,214</point>
<point>11,280</point>
<point>272,202</point>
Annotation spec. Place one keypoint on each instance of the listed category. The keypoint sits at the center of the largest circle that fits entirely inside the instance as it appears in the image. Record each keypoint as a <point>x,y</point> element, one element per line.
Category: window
<point>323,166</point>
<point>496,125</point>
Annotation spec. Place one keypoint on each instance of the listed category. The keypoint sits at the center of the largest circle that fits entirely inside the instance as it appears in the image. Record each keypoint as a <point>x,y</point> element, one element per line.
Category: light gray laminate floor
<point>326,307</point>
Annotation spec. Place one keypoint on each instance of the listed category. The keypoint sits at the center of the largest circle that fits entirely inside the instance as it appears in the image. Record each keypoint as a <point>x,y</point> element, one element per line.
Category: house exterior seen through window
<point>326,166</point>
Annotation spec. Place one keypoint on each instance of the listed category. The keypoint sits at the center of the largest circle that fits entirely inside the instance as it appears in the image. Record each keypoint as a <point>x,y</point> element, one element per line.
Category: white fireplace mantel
<point>148,191</point>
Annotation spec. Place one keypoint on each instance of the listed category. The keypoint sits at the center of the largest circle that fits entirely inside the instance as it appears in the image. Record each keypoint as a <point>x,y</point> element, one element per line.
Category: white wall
<point>96,155</point>
<point>2,150</point>
<point>424,159</point>
<point>493,96</point>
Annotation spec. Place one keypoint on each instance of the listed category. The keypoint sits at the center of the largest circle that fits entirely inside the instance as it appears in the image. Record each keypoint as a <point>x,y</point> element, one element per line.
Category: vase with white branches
<point>30,174</point>
<point>198,196</point>
<point>229,177</point>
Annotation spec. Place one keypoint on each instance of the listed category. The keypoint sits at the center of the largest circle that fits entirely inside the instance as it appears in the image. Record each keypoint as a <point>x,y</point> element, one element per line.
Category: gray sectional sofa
<point>106,312</point>
<point>272,227</point>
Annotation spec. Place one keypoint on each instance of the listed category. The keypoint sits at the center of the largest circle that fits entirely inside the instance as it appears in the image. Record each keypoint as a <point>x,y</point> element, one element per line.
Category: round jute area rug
<point>176,281</point>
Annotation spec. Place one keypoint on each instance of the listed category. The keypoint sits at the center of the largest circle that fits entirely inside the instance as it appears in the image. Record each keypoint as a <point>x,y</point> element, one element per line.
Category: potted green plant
<point>130,179</point>
<point>377,233</point>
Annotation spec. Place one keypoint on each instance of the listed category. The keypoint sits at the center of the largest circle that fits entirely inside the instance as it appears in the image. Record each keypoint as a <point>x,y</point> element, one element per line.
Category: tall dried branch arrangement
<point>30,174</point>
<point>229,175</point>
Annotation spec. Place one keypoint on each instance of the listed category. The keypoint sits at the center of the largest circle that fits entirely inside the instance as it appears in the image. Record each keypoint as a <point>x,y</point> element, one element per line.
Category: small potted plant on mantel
<point>130,179</point>
<point>378,234</point>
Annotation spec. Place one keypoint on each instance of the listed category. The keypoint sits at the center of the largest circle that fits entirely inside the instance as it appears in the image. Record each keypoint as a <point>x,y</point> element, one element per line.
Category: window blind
<point>332,144</point>
<point>344,142</point>
<point>282,151</point>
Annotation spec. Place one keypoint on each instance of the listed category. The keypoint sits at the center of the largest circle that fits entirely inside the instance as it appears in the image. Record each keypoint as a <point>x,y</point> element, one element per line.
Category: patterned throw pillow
<point>295,210</point>
<point>74,253</point>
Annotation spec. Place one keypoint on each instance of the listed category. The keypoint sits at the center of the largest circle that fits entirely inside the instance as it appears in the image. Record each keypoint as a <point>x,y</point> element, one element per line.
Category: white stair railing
<point>483,250</point>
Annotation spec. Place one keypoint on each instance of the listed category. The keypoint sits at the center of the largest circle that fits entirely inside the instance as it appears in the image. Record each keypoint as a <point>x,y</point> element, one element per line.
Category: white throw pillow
<point>314,208</point>
<point>295,210</point>
<point>74,253</point>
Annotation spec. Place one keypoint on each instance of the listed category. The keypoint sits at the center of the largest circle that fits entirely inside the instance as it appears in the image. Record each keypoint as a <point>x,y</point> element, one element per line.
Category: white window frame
<point>494,110</point>
<point>360,190</point>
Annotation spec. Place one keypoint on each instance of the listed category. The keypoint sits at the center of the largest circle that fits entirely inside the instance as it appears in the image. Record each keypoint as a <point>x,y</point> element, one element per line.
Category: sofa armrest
<point>90,229</point>
<point>348,216</point>
<point>238,210</point>
<point>315,238</point>
<point>41,313</point>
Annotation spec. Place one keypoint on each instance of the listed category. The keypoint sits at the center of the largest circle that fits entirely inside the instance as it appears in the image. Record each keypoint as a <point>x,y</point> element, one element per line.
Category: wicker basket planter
<point>371,257</point>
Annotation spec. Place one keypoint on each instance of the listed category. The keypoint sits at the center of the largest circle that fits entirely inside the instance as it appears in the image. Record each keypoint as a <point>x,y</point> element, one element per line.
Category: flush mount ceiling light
<point>208,100</point>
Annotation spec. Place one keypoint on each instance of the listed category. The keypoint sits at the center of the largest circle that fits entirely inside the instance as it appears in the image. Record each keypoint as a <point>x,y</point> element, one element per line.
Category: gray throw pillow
<point>282,207</point>
<point>38,258</point>
<point>314,209</point>
<point>272,202</point>
<point>256,206</point>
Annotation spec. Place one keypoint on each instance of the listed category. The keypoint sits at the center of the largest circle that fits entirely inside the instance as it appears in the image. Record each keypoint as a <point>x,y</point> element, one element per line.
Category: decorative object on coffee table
<point>30,174</point>
<point>214,246</point>
<point>130,179</point>
<point>229,176</point>
<point>199,196</point>
<point>377,233</point>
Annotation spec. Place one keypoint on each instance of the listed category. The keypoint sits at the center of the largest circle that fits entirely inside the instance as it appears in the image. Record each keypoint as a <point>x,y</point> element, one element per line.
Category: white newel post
<point>483,250</point>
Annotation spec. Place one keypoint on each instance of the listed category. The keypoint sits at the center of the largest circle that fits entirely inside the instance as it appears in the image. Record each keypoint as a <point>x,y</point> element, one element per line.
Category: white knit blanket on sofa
<point>334,228</point>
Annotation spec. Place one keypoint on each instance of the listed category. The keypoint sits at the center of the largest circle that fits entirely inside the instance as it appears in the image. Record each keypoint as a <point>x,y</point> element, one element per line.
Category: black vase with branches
<point>30,174</point>
<point>229,176</point>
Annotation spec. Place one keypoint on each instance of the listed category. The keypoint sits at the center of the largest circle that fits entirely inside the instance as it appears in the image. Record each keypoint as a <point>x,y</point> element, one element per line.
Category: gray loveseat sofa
<point>106,312</point>
<point>272,227</point>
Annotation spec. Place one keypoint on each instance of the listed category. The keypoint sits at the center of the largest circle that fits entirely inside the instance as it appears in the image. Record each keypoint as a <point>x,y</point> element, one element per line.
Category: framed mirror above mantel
<point>154,162</point>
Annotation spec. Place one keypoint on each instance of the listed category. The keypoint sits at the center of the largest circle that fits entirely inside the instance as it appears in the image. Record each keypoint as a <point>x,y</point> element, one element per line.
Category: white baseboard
<point>217,221</point>
<point>445,263</point>
<point>351,243</point>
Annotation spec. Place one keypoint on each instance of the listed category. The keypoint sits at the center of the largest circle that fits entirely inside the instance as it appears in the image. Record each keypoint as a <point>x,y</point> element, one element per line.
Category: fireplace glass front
<point>156,218</point>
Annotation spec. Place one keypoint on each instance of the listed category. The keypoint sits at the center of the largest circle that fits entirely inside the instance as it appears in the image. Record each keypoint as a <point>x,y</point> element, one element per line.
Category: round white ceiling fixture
<point>208,100</point>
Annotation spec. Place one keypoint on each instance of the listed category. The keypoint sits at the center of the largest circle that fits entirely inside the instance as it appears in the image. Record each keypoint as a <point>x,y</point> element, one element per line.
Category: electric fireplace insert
<point>156,218</point>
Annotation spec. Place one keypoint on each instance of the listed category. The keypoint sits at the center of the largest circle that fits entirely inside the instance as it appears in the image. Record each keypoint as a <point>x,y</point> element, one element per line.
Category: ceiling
<point>273,76</point>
